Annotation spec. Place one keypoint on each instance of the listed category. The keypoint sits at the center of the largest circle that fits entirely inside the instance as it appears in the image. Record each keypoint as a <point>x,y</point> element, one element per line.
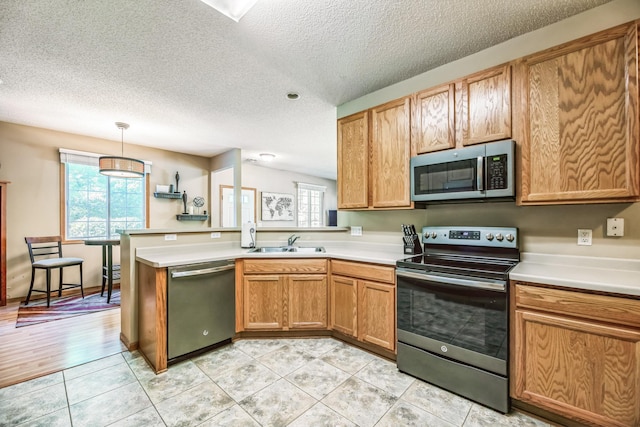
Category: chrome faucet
<point>292,239</point>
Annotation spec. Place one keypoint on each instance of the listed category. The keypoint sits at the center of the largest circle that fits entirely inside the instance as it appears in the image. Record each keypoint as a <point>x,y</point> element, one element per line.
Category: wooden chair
<point>46,254</point>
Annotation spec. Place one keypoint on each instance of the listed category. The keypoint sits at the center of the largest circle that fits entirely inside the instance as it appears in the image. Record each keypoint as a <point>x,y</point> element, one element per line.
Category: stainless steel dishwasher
<point>201,307</point>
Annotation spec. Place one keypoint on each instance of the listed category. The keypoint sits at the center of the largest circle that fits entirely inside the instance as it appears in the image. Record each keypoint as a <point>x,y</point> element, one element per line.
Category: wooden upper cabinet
<point>578,120</point>
<point>391,154</point>
<point>353,161</point>
<point>484,106</point>
<point>433,120</point>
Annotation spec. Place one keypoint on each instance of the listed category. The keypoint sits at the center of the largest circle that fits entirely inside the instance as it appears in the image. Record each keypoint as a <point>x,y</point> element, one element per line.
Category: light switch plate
<point>615,227</point>
<point>356,230</point>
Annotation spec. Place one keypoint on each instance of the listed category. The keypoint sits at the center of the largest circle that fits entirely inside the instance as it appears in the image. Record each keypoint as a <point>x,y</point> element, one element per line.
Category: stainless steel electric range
<point>453,307</point>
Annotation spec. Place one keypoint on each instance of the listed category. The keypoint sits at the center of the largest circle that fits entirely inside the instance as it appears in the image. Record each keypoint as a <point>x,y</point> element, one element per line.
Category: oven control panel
<point>494,237</point>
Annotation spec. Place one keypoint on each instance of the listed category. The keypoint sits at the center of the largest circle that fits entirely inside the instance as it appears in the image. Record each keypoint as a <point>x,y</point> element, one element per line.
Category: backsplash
<point>543,229</point>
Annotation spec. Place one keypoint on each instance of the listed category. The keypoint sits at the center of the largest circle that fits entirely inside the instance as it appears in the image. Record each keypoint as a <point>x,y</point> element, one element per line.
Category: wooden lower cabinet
<point>263,301</point>
<point>363,308</point>
<point>307,301</point>
<point>344,305</point>
<point>278,296</point>
<point>577,355</point>
<point>376,315</point>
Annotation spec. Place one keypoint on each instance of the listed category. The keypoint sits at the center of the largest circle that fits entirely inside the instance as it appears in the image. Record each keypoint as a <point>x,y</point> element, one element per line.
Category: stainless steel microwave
<point>476,173</point>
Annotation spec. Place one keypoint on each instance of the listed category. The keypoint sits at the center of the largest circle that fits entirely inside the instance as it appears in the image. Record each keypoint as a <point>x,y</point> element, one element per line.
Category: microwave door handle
<point>480,174</point>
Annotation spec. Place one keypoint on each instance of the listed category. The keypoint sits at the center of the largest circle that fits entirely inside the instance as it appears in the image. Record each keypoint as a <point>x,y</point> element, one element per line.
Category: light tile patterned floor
<point>283,382</point>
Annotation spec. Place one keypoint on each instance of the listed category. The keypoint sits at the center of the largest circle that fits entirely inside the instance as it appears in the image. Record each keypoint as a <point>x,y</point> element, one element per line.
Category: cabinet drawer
<point>307,265</point>
<point>364,271</point>
<point>623,311</point>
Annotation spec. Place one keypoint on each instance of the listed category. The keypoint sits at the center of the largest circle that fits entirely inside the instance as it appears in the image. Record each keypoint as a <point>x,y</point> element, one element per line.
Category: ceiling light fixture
<point>267,157</point>
<point>121,167</point>
<point>234,9</point>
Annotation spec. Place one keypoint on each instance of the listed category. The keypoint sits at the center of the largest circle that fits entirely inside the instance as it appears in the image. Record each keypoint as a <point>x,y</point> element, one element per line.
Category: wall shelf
<point>167,195</point>
<point>188,217</point>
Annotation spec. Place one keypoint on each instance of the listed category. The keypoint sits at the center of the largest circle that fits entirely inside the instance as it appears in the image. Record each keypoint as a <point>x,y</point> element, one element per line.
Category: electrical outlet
<point>356,230</point>
<point>215,235</point>
<point>615,227</point>
<point>170,237</point>
<point>584,237</point>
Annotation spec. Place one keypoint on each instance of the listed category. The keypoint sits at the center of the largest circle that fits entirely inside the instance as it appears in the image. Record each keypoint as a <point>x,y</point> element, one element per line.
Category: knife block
<point>412,245</point>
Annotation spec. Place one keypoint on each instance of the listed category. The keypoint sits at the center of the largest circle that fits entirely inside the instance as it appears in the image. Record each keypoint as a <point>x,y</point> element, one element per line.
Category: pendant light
<point>121,167</point>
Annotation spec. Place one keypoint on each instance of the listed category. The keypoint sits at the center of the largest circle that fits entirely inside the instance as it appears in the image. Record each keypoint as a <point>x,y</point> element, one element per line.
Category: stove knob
<point>499,237</point>
<point>426,235</point>
<point>510,237</point>
<point>489,237</point>
<point>434,235</point>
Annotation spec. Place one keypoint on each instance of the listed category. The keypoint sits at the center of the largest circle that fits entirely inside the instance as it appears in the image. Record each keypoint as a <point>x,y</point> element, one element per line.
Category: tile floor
<point>283,382</point>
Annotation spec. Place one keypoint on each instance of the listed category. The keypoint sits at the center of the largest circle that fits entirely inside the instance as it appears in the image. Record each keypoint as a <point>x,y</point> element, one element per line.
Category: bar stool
<point>46,254</point>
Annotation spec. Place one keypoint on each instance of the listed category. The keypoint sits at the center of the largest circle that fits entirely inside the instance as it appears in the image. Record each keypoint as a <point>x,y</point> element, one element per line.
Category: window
<point>310,202</point>
<point>97,205</point>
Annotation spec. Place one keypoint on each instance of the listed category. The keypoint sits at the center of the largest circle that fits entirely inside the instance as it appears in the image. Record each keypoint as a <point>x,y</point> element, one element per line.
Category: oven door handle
<point>501,287</point>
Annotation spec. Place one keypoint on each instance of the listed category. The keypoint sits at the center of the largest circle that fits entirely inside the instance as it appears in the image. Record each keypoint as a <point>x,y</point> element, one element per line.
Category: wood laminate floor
<point>36,350</point>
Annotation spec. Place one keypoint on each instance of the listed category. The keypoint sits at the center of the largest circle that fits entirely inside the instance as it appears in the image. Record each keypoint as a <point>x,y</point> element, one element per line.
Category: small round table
<point>109,270</point>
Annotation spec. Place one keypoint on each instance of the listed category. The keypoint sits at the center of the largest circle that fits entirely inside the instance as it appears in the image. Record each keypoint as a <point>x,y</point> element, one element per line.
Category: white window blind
<point>310,205</point>
<point>97,205</point>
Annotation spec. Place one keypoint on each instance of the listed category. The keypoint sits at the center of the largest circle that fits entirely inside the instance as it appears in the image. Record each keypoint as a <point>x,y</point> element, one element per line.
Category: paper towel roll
<point>248,235</point>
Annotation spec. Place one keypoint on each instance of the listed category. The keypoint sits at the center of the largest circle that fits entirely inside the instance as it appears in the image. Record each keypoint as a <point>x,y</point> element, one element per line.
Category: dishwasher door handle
<point>202,271</point>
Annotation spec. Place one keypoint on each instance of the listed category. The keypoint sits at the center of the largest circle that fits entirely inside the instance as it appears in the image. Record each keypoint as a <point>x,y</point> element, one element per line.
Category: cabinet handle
<point>201,272</point>
<point>499,287</point>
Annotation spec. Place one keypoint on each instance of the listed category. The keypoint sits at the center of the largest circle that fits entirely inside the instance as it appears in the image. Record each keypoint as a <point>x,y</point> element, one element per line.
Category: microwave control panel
<point>496,172</point>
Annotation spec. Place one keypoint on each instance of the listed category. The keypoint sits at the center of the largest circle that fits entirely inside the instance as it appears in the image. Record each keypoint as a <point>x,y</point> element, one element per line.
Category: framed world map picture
<point>277,206</point>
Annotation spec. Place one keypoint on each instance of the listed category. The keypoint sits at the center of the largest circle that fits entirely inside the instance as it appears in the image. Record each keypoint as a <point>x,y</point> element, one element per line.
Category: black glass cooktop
<point>463,265</point>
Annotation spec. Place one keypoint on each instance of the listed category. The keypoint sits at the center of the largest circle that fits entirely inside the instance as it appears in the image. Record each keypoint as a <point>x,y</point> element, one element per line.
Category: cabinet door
<point>307,301</point>
<point>391,154</point>
<point>485,106</point>
<point>434,119</point>
<point>263,302</point>
<point>353,161</point>
<point>583,370</point>
<point>376,314</point>
<point>344,305</point>
<point>579,113</point>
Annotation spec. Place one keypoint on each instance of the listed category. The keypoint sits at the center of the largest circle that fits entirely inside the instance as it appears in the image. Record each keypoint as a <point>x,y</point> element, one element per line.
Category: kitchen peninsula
<point>151,248</point>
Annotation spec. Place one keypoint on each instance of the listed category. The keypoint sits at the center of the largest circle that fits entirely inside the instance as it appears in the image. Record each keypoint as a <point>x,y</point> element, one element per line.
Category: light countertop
<point>620,276</point>
<point>171,256</point>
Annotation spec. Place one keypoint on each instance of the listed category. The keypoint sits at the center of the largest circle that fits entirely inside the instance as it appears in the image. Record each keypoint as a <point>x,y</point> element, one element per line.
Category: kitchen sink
<point>276,249</point>
<point>270,249</point>
<point>308,250</point>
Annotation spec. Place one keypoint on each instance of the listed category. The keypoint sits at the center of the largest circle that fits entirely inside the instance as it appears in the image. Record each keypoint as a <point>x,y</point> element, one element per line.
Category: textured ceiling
<point>188,79</point>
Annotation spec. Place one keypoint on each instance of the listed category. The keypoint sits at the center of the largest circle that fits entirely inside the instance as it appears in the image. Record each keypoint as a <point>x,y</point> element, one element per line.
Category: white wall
<point>30,160</point>
<point>218,178</point>
<point>277,181</point>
